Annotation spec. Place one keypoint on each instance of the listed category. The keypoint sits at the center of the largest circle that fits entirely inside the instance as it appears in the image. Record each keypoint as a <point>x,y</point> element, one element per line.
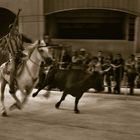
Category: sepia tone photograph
<point>69,69</point>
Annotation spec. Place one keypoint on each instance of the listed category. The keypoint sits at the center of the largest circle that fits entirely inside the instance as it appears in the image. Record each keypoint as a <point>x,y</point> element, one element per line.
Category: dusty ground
<point>103,117</point>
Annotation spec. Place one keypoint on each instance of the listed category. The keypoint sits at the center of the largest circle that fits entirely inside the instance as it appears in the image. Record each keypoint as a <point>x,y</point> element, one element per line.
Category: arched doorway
<point>91,24</point>
<point>6,18</point>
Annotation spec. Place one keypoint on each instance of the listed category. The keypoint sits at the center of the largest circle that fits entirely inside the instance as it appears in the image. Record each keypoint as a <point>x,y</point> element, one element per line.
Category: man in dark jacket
<point>130,69</point>
<point>118,66</point>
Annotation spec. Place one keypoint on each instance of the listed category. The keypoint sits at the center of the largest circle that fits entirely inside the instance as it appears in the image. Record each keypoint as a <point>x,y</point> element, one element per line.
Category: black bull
<point>74,82</point>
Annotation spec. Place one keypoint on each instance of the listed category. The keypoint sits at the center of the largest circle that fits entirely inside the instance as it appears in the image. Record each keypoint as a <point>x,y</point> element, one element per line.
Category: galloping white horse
<point>26,78</point>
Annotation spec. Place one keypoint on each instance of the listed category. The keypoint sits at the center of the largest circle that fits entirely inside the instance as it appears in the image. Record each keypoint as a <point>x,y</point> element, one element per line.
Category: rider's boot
<point>12,85</point>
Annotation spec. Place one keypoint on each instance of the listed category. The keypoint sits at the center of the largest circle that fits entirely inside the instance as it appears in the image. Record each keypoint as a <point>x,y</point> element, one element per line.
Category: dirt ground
<point>102,117</point>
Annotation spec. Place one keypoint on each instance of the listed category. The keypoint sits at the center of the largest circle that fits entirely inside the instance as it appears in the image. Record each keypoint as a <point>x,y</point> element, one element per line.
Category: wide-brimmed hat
<point>82,50</point>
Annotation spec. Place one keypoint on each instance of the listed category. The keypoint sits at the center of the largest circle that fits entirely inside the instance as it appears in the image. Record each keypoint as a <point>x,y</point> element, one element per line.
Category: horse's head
<point>45,52</point>
<point>39,51</point>
<point>36,51</point>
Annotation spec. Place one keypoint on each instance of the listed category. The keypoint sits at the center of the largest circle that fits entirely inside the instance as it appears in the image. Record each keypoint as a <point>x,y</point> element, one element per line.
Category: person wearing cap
<point>118,72</point>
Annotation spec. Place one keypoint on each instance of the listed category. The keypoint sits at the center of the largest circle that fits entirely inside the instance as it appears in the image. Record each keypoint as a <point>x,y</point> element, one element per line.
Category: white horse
<point>26,78</point>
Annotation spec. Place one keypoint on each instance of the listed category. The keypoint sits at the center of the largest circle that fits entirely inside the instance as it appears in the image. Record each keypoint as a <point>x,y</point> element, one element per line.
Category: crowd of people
<point>116,72</point>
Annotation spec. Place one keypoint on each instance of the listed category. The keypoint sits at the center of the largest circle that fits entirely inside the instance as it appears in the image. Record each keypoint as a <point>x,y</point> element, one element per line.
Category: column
<point>126,28</point>
<point>41,19</point>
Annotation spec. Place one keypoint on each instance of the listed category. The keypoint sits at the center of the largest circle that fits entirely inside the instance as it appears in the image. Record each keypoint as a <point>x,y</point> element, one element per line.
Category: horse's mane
<point>31,47</point>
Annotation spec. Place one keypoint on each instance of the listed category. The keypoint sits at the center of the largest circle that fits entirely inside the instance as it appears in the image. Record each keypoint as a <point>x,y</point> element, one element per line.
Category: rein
<point>34,61</point>
<point>30,73</point>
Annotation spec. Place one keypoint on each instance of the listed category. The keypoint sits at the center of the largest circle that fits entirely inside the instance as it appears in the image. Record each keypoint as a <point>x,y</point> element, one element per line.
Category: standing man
<point>100,57</point>
<point>77,62</point>
<point>83,57</point>
<point>109,74</point>
<point>131,72</point>
<point>118,66</point>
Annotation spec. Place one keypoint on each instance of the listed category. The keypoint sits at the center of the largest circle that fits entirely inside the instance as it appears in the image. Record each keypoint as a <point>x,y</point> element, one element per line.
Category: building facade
<point>107,25</point>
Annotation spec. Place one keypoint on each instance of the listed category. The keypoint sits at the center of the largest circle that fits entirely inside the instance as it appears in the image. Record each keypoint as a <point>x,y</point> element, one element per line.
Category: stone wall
<point>130,6</point>
<point>31,17</point>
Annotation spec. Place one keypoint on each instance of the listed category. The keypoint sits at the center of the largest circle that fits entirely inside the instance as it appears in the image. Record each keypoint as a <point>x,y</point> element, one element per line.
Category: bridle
<point>41,57</point>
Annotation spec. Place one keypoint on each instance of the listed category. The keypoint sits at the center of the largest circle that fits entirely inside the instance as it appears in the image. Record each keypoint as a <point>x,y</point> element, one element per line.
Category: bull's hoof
<point>4,114</point>
<point>46,95</point>
<point>76,111</point>
<point>34,94</point>
<point>57,105</point>
<point>14,106</point>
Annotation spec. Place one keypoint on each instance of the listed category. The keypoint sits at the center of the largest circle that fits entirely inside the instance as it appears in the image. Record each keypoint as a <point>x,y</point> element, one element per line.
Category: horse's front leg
<point>17,104</point>
<point>3,109</point>
<point>25,95</point>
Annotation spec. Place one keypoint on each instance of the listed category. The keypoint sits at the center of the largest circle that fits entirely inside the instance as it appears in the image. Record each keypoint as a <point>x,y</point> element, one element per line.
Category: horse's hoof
<point>57,105</point>
<point>76,111</point>
<point>4,114</point>
<point>14,106</point>
<point>34,94</point>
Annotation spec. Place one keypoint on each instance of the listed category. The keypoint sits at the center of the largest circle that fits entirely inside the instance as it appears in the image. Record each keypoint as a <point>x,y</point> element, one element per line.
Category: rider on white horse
<point>15,48</point>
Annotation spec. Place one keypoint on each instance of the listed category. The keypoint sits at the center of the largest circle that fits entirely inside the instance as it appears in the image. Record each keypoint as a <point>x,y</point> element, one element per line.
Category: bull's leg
<point>39,89</point>
<point>76,110</point>
<point>36,93</point>
<point>62,99</point>
<point>3,109</point>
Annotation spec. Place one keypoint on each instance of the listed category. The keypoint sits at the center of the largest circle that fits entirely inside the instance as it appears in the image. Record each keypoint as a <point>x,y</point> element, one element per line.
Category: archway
<point>6,18</point>
<point>104,24</point>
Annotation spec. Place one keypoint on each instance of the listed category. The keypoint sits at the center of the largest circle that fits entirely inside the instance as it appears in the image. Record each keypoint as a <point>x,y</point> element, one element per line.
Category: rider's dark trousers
<point>13,72</point>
